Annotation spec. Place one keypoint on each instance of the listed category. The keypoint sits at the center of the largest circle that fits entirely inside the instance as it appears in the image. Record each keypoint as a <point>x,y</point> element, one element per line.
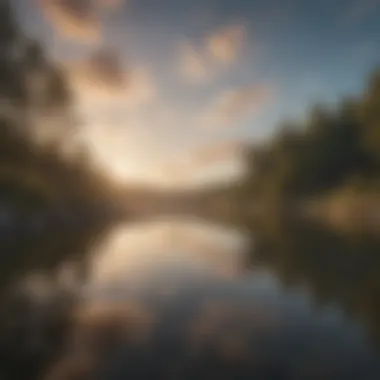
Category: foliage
<point>334,148</point>
<point>37,123</point>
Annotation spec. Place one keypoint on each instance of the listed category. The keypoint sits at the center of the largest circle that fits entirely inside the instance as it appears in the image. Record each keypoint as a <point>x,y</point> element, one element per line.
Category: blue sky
<point>183,81</point>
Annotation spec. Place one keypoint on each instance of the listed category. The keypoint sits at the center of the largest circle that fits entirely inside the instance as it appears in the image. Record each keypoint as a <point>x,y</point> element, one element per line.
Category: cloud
<point>225,44</point>
<point>110,4</point>
<point>221,48</point>
<point>218,153</point>
<point>141,88</point>
<point>103,76</point>
<point>235,105</point>
<point>77,19</point>
<point>103,68</point>
<point>211,155</point>
<point>194,65</point>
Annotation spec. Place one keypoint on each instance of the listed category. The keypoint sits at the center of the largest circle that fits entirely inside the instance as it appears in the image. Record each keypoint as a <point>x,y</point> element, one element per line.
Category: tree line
<point>336,149</point>
<point>37,126</point>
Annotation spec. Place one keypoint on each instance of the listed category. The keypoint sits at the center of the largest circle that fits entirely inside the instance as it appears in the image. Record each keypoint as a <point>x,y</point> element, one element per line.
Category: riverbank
<point>351,214</point>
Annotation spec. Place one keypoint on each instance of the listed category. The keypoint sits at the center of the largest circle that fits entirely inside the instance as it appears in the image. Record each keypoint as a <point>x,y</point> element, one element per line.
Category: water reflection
<point>39,279</point>
<point>336,269</point>
<point>187,299</point>
<point>133,253</point>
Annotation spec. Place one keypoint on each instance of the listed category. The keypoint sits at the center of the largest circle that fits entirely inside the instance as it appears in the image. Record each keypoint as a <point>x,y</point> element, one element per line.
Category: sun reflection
<point>134,253</point>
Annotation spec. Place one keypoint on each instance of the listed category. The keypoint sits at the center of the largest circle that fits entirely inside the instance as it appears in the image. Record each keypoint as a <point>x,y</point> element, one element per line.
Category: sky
<point>169,90</point>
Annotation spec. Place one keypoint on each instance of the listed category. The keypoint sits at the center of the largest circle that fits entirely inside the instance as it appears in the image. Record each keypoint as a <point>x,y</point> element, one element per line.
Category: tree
<point>37,120</point>
<point>333,146</point>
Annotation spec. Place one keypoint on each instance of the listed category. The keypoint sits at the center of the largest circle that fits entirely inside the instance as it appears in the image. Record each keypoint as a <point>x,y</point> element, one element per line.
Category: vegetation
<point>336,150</point>
<point>41,183</point>
<point>37,126</point>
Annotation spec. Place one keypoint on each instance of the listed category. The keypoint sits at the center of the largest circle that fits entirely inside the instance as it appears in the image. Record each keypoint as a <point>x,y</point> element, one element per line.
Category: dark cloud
<point>102,70</point>
<point>104,74</point>
<point>77,19</point>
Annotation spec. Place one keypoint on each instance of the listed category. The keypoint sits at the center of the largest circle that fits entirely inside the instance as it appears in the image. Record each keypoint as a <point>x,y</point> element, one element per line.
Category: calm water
<point>187,299</point>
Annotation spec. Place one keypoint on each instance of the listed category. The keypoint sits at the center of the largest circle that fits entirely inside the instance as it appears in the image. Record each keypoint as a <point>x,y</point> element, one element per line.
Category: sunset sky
<point>168,89</point>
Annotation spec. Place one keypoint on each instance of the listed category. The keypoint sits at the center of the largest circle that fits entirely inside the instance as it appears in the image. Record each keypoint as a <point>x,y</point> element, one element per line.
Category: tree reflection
<point>337,269</point>
<point>52,202</point>
<point>36,316</point>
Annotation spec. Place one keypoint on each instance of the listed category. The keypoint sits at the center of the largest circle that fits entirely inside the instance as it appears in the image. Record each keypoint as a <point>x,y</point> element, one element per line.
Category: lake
<point>183,298</point>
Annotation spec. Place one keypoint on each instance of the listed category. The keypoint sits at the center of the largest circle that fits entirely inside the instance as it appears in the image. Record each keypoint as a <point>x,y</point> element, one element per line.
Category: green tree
<point>331,148</point>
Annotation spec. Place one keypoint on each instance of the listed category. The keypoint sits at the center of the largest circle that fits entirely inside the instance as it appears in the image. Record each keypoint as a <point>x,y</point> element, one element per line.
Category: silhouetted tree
<point>37,119</point>
<point>333,148</point>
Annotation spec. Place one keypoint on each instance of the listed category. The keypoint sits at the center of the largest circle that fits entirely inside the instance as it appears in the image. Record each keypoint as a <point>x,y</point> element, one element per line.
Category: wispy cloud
<point>234,105</point>
<point>104,76</point>
<point>193,63</point>
<point>217,153</point>
<point>103,68</point>
<point>201,62</point>
<point>77,19</point>
<point>225,44</point>
<point>204,157</point>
